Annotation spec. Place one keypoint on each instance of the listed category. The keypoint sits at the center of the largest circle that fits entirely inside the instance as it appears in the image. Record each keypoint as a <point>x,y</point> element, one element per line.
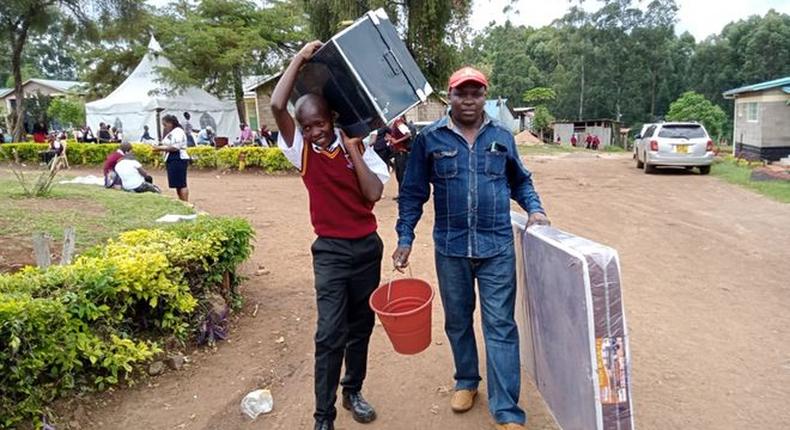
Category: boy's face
<point>316,124</point>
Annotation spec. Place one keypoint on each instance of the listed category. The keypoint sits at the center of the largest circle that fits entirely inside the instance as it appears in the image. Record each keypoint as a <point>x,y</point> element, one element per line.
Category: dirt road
<point>706,274</point>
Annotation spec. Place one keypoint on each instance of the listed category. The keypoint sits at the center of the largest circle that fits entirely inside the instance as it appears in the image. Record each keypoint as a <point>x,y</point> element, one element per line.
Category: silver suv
<point>684,144</point>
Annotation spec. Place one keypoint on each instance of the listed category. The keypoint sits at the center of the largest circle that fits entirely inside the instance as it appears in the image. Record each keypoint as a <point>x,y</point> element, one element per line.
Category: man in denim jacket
<point>474,167</point>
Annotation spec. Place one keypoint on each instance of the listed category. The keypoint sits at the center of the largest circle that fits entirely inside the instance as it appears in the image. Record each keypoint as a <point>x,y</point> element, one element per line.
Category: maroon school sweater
<point>337,207</point>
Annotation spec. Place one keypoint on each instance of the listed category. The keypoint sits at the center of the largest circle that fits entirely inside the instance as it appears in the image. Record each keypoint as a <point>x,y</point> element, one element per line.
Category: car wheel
<point>649,168</point>
<point>704,170</point>
<point>639,163</point>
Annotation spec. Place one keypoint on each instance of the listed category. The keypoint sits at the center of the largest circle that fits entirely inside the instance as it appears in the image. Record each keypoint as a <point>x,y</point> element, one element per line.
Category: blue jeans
<point>496,279</point>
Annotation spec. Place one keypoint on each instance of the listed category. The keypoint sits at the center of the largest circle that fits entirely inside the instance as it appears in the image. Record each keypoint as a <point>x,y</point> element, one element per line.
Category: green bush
<point>204,157</point>
<point>87,324</point>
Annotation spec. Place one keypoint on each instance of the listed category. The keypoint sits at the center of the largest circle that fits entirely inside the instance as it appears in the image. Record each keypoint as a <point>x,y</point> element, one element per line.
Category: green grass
<point>96,213</point>
<point>726,169</point>
<point>562,149</point>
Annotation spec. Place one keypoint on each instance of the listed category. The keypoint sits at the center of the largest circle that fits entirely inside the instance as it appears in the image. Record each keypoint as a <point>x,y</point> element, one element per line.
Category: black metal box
<point>367,75</point>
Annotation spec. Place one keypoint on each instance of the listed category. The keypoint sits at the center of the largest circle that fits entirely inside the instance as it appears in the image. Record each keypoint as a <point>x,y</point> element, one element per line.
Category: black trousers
<point>346,273</point>
<point>399,160</point>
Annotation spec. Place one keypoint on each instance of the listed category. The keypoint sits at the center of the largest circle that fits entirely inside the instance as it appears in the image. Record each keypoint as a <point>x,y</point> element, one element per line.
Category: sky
<point>701,18</point>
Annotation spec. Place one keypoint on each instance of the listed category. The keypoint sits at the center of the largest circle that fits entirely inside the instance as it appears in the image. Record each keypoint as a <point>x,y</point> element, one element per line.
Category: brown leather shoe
<point>463,400</point>
<point>510,426</point>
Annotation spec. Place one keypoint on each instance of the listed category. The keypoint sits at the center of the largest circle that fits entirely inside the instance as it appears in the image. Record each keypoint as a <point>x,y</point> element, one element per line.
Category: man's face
<point>316,123</point>
<point>467,102</point>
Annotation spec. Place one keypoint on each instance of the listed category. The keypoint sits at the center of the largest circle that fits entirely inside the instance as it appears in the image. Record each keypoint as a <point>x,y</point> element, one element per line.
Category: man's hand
<point>400,258</point>
<point>307,51</point>
<point>538,218</point>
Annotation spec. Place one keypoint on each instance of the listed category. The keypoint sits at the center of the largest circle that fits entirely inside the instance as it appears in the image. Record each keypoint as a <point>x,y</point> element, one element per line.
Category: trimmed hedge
<point>86,325</point>
<point>204,157</point>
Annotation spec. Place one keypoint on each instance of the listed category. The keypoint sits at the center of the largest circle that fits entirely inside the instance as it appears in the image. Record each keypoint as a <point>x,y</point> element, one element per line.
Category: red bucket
<point>404,308</point>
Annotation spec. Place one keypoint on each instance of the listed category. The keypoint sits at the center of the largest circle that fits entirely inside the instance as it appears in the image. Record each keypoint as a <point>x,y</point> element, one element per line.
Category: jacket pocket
<point>445,163</point>
<point>495,163</point>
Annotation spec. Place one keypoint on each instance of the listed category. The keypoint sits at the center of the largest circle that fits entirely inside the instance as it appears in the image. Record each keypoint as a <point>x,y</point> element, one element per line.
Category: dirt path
<point>706,281</point>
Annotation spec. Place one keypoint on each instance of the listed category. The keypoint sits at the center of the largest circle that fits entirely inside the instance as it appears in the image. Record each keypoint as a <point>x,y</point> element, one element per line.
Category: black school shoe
<point>360,409</point>
<point>324,425</point>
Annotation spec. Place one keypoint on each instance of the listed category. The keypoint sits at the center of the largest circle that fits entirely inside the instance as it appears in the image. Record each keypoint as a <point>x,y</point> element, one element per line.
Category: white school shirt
<point>178,139</point>
<point>131,178</point>
<point>294,154</point>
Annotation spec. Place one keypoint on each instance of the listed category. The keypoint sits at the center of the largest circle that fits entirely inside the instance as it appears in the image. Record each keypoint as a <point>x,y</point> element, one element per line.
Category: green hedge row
<point>204,157</point>
<point>86,325</point>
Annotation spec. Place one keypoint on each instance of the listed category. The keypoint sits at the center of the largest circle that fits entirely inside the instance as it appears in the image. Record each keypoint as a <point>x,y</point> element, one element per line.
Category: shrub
<point>204,157</point>
<point>87,324</point>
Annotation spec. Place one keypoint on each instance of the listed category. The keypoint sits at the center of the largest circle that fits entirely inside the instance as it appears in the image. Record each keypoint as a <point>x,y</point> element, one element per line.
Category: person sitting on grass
<point>111,180</point>
<point>133,177</point>
<point>344,180</point>
<point>104,133</point>
<point>206,136</point>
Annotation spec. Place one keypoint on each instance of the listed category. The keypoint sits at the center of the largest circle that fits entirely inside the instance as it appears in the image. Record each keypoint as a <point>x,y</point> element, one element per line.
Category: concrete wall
<point>432,110</point>
<point>263,99</point>
<point>775,124</point>
<point>772,127</point>
<point>565,130</point>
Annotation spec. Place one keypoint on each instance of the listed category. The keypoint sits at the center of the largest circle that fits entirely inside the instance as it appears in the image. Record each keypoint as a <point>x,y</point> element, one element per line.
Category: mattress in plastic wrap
<point>574,342</point>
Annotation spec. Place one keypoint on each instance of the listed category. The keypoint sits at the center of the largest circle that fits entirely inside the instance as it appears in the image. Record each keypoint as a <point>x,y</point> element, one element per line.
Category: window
<point>751,112</point>
<point>649,131</point>
<point>682,132</point>
<point>741,108</point>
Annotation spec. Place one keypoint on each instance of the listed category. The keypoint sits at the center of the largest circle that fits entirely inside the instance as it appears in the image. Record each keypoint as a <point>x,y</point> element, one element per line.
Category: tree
<point>68,111</point>
<point>21,19</point>
<point>542,120</point>
<point>539,96</point>
<point>695,107</point>
<point>221,41</point>
<point>428,25</point>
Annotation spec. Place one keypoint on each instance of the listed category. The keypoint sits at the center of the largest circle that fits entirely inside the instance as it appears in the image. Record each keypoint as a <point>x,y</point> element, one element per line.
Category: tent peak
<point>154,46</point>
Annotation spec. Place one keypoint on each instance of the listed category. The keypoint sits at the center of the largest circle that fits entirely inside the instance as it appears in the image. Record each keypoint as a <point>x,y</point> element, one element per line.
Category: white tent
<point>135,103</point>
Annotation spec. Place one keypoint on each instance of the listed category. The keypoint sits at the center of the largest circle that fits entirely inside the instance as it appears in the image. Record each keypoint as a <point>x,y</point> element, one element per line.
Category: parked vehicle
<point>682,144</point>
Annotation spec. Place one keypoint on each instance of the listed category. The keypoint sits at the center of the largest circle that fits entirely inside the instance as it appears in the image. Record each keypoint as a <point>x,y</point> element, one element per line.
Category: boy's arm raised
<point>283,90</point>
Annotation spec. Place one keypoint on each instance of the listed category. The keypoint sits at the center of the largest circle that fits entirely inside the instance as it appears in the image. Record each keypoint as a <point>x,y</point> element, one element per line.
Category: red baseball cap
<point>467,74</point>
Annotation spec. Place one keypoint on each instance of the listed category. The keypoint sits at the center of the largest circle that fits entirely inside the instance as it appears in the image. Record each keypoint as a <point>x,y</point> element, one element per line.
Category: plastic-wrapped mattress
<point>574,342</point>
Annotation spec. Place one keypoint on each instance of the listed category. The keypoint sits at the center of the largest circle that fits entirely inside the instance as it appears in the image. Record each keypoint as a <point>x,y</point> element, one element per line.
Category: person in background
<point>595,142</point>
<point>266,137</point>
<point>2,136</point>
<point>111,180</point>
<point>87,135</point>
<point>245,138</point>
<point>188,130</point>
<point>133,177</point>
<point>206,136</point>
<point>174,145</point>
<point>104,133</point>
<point>574,140</point>
<point>400,138</point>
<point>381,145</point>
<point>588,141</point>
<point>117,135</point>
<point>146,136</point>
<point>40,132</point>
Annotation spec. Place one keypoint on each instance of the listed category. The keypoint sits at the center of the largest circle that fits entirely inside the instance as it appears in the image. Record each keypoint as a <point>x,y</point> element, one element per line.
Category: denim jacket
<point>472,188</point>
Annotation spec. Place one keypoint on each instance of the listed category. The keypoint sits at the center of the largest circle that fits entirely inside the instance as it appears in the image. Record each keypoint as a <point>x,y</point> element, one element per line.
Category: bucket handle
<point>392,278</point>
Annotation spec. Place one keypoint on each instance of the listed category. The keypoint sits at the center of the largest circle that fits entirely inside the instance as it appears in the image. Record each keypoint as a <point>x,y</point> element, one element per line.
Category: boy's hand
<point>350,143</point>
<point>309,50</point>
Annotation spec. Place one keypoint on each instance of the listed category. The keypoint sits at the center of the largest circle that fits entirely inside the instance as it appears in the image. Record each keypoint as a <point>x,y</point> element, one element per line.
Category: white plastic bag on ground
<point>256,403</point>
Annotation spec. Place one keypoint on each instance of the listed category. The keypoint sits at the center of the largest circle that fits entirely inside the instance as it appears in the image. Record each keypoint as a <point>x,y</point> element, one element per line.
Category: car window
<point>686,131</point>
<point>649,131</point>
